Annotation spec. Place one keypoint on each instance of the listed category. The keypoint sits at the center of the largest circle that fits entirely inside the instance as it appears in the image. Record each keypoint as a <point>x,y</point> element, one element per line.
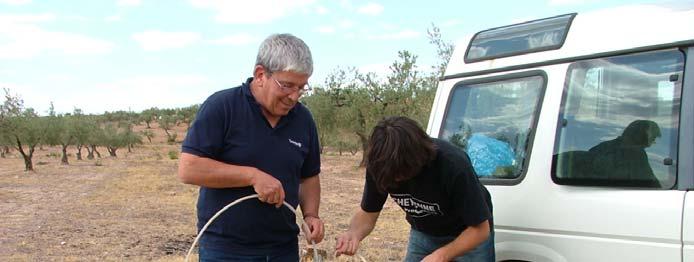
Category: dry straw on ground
<point>133,208</point>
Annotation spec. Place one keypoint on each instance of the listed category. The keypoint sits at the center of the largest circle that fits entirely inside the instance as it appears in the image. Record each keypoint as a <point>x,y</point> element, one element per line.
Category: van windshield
<point>492,122</point>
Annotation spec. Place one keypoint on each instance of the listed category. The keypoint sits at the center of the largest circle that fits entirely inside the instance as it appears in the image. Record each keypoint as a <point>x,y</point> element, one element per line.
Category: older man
<point>257,138</point>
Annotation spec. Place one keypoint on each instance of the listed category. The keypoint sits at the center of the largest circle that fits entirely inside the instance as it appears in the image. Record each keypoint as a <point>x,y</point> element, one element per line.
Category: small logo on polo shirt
<point>294,142</point>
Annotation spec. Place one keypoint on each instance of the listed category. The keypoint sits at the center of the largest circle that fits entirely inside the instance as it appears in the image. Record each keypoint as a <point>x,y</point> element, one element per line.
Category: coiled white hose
<point>303,224</point>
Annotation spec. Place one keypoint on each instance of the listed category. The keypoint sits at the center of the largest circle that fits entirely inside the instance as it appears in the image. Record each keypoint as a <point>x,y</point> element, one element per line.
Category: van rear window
<point>529,37</point>
<point>619,121</point>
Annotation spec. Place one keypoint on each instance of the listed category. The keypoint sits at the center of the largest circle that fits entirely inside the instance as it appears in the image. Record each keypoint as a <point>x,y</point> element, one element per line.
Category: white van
<point>581,126</point>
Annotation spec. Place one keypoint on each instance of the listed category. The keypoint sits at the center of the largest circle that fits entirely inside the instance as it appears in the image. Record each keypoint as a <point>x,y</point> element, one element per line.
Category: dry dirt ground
<point>133,208</point>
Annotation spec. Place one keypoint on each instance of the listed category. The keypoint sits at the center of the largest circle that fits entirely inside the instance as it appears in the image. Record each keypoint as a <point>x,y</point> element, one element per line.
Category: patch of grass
<point>53,154</point>
<point>173,154</point>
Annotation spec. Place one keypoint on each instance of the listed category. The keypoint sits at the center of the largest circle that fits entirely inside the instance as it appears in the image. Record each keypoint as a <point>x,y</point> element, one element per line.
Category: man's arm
<point>211,173</point>
<point>309,200</point>
<point>470,238</point>
<point>309,196</point>
<point>361,225</point>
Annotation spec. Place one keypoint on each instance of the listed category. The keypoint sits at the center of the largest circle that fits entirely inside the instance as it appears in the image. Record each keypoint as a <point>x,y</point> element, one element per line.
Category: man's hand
<point>316,229</point>
<point>269,189</point>
<point>347,243</point>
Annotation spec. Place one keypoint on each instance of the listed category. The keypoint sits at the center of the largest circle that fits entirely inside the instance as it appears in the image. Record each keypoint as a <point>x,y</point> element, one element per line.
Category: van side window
<point>618,121</point>
<point>492,122</point>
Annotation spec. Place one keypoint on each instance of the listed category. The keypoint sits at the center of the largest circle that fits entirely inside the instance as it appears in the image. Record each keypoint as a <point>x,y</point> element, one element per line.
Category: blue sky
<point>107,55</point>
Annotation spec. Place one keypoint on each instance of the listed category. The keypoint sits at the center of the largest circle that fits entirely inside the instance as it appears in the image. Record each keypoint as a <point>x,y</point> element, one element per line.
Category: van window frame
<point>685,168</point>
<point>533,125</point>
<point>524,51</point>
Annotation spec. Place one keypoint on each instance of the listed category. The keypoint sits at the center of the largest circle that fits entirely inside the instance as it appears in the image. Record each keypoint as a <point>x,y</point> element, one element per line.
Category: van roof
<point>596,33</point>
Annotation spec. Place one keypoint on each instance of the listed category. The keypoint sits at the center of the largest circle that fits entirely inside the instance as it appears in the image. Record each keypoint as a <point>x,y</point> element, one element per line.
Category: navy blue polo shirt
<point>231,128</point>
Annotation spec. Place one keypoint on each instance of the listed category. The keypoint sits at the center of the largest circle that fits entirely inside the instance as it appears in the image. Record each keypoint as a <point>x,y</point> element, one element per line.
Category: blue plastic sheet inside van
<point>487,154</point>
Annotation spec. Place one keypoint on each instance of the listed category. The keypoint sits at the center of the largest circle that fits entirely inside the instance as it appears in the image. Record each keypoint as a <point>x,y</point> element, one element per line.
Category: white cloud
<point>452,22</point>
<point>326,29</point>
<point>321,10</point>
<point>370,9</point>
<point>346,24</point>
<point>78,18</point>
<point>136,93</point>
<point>26,40</point>
<point>237,39</point>
<point>346,5</point>
<point>113,18</point>
<point>378,69</point>
<point>404,34</point>
<point>15,2</point>
<point>569,2</point>
<point>128,2</point>
<point>22,19</point>
<point>158,40</point>
<point>251,12</point>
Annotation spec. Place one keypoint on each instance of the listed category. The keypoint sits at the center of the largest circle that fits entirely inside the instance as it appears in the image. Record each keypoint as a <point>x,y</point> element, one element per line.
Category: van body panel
<point>686,163</point>
<point>688,230</point>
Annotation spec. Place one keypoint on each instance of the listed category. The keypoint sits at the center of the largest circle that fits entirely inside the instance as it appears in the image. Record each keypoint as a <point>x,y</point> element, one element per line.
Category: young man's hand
<point>347,243</point>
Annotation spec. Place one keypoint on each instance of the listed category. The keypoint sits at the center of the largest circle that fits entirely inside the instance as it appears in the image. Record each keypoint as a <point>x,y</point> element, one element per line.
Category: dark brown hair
<point>398,149</point>
<point>641,133</point>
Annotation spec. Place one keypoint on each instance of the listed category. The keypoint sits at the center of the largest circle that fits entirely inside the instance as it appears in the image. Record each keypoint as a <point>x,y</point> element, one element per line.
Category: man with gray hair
<point>257,139</point>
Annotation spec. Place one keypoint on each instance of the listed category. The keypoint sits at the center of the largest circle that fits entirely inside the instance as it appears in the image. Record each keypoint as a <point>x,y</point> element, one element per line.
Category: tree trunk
<point>79,152</point>
<point>112,151</point>
<point>364,144</point>
<point>5,151</point>
<point>28,165</point>
<point>147,123</point>
<point>130,148</point>
<point>64,159</point>
<point>90,152</point>
<point>96,151</point>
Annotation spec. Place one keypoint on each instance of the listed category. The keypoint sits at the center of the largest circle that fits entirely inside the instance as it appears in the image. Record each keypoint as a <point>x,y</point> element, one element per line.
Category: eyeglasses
<point>290,89</point>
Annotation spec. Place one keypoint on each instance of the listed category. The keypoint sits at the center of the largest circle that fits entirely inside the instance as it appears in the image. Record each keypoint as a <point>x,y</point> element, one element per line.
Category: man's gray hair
<point>285,52</point>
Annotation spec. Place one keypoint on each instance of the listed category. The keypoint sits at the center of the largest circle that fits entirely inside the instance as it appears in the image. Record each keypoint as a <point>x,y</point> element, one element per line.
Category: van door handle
<point>667,161</point>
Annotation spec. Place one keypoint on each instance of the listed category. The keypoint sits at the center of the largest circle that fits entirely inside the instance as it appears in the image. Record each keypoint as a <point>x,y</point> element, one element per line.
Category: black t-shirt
<point>442,200</point>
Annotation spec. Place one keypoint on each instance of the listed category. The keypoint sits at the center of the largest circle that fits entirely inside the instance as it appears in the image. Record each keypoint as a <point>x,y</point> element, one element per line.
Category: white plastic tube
<point>304,227</point>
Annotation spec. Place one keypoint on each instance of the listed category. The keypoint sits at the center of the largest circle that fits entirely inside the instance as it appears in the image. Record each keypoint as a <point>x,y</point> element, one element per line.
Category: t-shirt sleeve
<point>372,199</point>
<point>471,196</point>
<point>311,166</point>
<point>205,137</point>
